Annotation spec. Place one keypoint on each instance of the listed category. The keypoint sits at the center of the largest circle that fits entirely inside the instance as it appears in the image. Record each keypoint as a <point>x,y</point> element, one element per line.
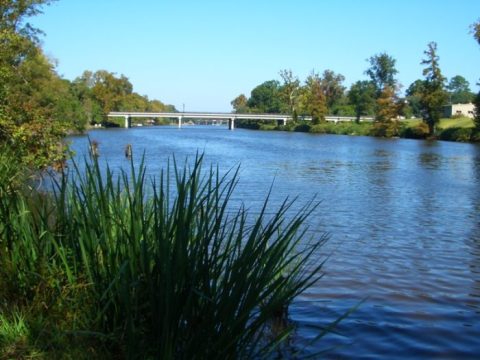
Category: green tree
<point>158,106</point>
<point>34,102</point>
<point>266,98</point>
<point>476,101</point>
<point>332,86</point>
<point>413,97</point>
<point>382,71</point>
<point>459,90</point>
<point>476,31</point>
<point>433,96</point>
<point>110,91</point>
<point>82,89</point>
<point>362,97</point>
<point>134,102</point>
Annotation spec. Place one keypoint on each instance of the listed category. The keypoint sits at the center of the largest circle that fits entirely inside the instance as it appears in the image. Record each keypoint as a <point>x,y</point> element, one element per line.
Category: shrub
<point>170,270</point>
<point>351,128</point>
<point>456,134</point>
<point>302,128</point>
<point>475,135</point>
<point>268,127</point>
<point>388,129</point>
<point>318,129</point>
<point>419,131</point>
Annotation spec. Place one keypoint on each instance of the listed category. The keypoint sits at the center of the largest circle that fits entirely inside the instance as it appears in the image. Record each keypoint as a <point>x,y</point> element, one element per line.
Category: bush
<point>456,134</point>
<point>419,131</point>
<point>385,128</point>
<point>268,127</point>
<point>166,271</point>
<point>475,135</point>
<point>351,128</point>
<point>302,128</point>
<point>319,129</point>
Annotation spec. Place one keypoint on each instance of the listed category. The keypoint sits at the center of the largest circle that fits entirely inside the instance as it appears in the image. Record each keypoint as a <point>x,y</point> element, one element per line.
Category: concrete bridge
<point>230,117</point>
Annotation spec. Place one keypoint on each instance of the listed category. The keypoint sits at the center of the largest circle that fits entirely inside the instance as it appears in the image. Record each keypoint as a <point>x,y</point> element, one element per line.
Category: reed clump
<point>129,267</point>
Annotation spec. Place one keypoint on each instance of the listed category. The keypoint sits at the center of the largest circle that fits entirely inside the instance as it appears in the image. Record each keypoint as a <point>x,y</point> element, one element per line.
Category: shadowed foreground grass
<point>124,267</point>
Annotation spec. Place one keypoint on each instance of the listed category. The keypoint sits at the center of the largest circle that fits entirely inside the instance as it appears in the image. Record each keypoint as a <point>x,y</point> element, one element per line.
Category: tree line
<point>378,96</point>
<point>37,106</point>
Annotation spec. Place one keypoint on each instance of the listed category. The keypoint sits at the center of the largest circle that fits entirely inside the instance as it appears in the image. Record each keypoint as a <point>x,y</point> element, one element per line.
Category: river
<point>403,218</point>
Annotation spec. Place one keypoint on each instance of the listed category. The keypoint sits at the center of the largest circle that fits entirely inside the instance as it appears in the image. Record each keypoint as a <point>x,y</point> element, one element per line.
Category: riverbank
<point>452,129</point>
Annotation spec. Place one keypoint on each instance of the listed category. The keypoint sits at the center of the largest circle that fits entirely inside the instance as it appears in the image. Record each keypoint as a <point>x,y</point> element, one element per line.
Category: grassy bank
<point>121,267</point>
<point>451,129</point>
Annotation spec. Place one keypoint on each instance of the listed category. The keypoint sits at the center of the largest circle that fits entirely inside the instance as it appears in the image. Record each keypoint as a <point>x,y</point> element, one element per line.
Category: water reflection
<point>430,161</point>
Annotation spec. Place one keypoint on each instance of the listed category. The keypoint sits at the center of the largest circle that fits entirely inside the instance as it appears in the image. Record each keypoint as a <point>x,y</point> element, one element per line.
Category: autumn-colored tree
<point>315,100</point>
<point>388,108</point>
<point>239,104</point>
<point>387,105</point>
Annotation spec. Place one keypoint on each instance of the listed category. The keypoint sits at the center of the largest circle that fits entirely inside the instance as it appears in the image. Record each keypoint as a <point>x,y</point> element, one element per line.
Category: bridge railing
<point>231,117</point>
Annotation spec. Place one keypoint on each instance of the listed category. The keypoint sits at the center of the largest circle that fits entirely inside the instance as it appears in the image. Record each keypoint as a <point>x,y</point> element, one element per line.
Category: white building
<point>459,110</point>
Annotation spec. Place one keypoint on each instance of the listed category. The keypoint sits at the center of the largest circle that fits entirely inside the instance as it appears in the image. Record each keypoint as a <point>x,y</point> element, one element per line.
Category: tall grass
<point>163,268</point>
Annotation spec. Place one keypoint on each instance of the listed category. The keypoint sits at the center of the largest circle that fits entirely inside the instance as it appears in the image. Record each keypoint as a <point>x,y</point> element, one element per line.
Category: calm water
<point>404,220</point>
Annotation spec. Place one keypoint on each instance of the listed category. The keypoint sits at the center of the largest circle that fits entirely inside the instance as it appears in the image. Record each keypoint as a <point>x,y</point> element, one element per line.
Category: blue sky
<point>205,53</point>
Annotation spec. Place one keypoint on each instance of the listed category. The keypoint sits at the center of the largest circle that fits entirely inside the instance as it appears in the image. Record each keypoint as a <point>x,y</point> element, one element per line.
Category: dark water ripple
<point>404,221</point>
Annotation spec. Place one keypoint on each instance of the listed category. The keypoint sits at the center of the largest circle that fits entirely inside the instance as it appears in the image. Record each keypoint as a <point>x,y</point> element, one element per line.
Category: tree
<point>362,97</point>
<point>110,91</point>
<point>134,102</point>
<point>433,96</point>
<point>388,108</point>
<point>476,101</point>
<point>382,71</point>
<point>459,90</point>
<point>266,98</point>
<point>239,104</point>
<point>34,102</point>
<point>413,96</point>
<point>476,31</point>
<point>315,100</point>
<point>332,87</point>
<point>387,105</point>
<point>289,90</point>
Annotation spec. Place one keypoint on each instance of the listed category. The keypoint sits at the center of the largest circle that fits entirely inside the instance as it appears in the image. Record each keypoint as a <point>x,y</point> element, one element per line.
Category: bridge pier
<point>180,121</point>
<point>282,122</point>
<point>128,122</point>
<point>231,124</point>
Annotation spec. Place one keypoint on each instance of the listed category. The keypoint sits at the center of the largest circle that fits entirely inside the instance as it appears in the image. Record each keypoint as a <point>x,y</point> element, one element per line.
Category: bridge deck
<point>230,117</point>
